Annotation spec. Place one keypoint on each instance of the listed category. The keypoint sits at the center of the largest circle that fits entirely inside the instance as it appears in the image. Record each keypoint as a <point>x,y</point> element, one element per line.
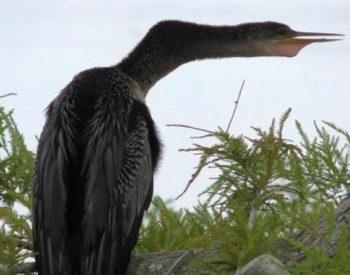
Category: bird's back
<point>93,175</point>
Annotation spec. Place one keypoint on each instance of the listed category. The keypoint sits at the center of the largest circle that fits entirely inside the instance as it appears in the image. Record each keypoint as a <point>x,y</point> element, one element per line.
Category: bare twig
<point>235,108</point>
<point>6,95</point>
<point>190,127</point>
<point>199,137</point>
<point>178,262</point>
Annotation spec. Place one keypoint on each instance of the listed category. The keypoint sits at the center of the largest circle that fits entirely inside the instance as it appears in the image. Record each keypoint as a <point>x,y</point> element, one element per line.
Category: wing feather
<point>105,144</point>
<point>119,178</point>
<point>93,176</point>
<point>56,151</point>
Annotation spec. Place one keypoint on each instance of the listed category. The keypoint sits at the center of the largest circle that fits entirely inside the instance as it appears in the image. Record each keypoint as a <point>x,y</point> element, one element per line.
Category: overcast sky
<point>43,44</point>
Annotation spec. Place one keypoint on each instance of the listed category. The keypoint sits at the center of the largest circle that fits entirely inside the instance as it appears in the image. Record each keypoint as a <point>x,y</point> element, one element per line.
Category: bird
<point>99,147</point>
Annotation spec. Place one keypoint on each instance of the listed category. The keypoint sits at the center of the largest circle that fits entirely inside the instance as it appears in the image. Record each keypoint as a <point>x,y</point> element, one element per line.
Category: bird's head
<point>276,39</point>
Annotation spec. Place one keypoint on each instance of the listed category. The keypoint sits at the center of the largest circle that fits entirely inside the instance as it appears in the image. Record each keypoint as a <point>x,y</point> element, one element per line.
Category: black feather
<point>93,176</point>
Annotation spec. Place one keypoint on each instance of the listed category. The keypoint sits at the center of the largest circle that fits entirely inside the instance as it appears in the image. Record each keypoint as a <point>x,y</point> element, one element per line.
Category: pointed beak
<point>296,33</point>
<point>291,45</point>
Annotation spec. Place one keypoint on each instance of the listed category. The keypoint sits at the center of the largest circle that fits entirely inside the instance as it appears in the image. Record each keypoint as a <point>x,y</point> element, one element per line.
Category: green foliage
<point>318,263</point>
<point>16,163</point>
<point>267,188</point>
<point>167,229</point>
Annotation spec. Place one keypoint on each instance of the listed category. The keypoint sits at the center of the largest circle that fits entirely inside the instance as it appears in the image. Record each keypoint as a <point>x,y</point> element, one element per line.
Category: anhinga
<point>97,153</point>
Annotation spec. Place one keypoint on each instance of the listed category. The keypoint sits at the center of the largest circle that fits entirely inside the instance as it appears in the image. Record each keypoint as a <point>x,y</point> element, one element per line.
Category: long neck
<point>170,44</point>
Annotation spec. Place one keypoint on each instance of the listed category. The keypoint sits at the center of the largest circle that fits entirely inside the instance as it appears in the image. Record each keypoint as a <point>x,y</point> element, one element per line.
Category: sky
<point>43,44</point>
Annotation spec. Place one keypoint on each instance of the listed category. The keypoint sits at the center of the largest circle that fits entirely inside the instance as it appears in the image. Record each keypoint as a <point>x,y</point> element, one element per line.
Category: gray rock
<point>263,265</point>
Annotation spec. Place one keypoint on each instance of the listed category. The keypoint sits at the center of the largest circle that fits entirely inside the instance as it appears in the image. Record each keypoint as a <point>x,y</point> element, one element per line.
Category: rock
<point>263,265</point>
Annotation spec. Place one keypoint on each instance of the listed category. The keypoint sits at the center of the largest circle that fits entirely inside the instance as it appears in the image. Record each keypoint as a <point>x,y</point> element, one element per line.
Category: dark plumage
<point>97,153</point>
<point>99,148</point>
